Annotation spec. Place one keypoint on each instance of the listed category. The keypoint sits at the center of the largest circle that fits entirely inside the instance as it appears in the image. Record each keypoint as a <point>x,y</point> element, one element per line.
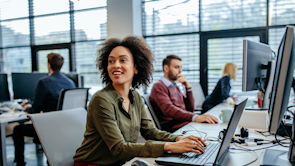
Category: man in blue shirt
<point>46,98</point>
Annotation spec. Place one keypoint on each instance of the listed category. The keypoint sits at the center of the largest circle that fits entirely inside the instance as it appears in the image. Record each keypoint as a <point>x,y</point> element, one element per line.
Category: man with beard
<point>168,101</point>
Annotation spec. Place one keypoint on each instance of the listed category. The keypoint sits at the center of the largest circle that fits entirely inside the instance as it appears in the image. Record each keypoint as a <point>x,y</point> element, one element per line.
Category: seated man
<point>46,98</point>
<point>169,102</point>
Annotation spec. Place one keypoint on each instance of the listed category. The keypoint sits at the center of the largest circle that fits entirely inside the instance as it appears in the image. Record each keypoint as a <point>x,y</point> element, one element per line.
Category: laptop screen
<point>234,120</point>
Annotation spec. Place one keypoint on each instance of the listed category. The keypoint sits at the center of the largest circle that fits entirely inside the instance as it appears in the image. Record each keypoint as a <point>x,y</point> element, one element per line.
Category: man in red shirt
<point>168,101</point>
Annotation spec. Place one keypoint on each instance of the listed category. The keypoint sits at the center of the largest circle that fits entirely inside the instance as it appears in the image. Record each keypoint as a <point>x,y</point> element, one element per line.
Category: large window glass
<point>90,30</point>
<point>42,7</point>
<point>170,16</point>
<point>232,14</point>
<point>52,29</point>
<point>17,60</point>
<point>281,12</point>
<point>85,63</point>
<point>184,46</point>
<point>15,33</point>
<point>10,9</point>
<point>78,5</point>
<point>174,18</point>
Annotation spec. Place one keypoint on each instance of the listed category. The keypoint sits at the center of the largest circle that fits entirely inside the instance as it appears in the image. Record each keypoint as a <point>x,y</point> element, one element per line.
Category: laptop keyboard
<point>200,158</point>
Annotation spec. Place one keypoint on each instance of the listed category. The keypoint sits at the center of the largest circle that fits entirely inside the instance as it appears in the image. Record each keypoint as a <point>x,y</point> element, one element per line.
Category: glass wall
<point>30,29</point>
<point>207,34</point>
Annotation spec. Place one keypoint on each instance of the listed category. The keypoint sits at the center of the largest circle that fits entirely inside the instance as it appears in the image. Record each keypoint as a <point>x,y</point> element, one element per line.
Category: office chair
<point>165,125</point>
<point>60,133</point>
<point>198,95</point>
<point>72,98</point>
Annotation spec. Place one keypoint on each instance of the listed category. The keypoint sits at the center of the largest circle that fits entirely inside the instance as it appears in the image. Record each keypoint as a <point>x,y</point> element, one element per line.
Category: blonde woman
<point>222,89</point>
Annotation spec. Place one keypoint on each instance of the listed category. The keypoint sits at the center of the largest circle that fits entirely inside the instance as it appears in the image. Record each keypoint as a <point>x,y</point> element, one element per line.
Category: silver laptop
<point>215,153</point>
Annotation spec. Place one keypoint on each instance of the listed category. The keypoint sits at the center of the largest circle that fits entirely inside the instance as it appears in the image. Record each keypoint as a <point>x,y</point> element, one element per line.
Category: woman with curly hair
<point>116,114</point>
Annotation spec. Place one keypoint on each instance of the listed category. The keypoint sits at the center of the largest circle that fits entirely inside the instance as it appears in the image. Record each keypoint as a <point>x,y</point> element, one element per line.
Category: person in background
<point>168,101</point>
<point>46,98</point>
<point>222,89</point>
<point>116,114</point>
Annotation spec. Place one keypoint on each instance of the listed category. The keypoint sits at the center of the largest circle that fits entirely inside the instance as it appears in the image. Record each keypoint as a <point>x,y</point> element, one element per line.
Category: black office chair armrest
<point>167,125</point>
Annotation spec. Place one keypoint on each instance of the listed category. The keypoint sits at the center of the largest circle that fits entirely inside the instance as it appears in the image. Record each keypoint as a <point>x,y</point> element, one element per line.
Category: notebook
<point>215,152</point>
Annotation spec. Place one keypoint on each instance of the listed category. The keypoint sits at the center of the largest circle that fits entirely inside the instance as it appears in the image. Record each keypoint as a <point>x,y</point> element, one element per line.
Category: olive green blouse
<point>111,133</point>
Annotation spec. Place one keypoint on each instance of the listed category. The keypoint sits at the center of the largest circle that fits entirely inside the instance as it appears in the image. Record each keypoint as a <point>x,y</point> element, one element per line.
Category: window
<point>17,60</point>
<point>167,21</point>
<point>90,30</point>
<point>15,33</point>
<point>30,32</point>
<point>281,12</point>
<point>184,46</point>
<point>52,29</point>
<point>170,17</point>
<point>232,14</point>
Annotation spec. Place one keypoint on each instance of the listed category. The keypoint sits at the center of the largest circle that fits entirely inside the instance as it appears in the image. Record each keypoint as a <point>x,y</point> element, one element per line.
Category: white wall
<point>123,18</point>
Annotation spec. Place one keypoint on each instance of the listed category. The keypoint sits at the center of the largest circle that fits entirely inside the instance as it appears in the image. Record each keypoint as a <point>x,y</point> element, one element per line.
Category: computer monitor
<point>4,91</point>
<point>24,84</point>
<point>255,61</point>
<point>282,82</point>
<point>77,78</point>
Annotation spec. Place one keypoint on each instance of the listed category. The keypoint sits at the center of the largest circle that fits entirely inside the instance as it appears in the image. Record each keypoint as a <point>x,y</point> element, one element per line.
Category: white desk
<point>4,121</point>
<point>237,157</point>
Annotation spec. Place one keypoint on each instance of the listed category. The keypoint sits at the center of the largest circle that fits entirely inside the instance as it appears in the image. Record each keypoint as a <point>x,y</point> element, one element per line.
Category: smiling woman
<point>116,114</point>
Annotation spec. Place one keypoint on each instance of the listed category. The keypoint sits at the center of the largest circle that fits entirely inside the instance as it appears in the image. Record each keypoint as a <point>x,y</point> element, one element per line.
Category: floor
<point>31,157</point>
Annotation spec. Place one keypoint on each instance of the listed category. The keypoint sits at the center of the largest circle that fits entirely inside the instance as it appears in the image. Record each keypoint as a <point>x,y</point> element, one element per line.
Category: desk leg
<point>3,159</point>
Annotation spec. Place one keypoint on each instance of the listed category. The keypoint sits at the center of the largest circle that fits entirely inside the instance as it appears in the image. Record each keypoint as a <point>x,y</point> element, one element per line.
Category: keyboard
<point>200,158</point>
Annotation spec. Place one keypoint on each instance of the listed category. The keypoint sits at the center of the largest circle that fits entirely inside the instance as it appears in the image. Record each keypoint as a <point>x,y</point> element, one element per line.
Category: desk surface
<point>237,157</point>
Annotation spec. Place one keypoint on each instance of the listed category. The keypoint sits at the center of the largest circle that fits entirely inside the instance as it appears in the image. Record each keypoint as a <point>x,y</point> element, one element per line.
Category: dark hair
<point>55,60</point>
<point>168,59</point>
<point>142,55</point>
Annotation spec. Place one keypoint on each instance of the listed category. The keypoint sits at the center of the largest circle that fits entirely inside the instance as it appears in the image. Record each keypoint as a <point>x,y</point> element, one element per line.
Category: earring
<point>136,72</point>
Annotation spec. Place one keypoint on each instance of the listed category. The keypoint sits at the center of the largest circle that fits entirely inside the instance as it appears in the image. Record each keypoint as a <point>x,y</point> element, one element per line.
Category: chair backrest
<point>198,94</point>
<point>60,133</point>
<point>146,99</point>
<point>72,98</point>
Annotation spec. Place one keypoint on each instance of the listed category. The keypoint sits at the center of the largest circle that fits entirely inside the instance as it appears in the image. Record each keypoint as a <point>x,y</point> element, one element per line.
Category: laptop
<point>214,152</point>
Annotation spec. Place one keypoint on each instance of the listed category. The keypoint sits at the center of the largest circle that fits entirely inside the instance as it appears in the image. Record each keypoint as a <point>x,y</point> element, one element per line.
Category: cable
<point>261,132</point>
<point>290,110</point>
<point>185,131</point>
<point>274,54</point>
<point>249,150</point>
<point>278,141</point>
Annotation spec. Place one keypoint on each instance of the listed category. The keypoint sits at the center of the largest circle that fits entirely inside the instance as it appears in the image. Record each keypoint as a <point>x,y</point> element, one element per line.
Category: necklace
<point>125,100</point>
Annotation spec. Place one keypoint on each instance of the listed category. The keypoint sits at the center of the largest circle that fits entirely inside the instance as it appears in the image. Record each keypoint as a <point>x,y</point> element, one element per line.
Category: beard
<point>171,76</point>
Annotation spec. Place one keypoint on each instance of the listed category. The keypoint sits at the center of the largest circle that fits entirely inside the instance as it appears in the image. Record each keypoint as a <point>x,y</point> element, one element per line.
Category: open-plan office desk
<point>3,122</point>
<point>237,157</point>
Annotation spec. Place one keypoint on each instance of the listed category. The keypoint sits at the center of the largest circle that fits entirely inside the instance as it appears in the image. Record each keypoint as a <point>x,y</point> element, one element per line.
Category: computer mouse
<point>140,162</point>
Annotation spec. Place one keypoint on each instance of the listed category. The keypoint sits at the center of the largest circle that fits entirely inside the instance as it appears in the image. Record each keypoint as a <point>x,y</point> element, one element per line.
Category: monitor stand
<point>275,157</point>
<point>280,157</point>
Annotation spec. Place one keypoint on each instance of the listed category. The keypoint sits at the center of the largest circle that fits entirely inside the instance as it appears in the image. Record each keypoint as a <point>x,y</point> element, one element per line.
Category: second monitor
<point>24,84</point>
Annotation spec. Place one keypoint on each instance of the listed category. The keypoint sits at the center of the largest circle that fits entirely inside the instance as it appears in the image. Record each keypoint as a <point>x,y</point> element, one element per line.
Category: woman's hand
<point>184,145</point>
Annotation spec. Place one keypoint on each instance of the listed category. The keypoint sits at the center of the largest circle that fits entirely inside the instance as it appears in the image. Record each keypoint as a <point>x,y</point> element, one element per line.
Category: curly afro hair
<point>142,55</point>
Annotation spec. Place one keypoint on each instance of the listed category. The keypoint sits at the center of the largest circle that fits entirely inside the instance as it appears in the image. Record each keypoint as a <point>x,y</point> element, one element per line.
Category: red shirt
<point>169,103</point>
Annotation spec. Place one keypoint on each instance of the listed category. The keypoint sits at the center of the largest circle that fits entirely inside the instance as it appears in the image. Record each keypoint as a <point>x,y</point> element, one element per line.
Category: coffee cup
<point>225,115</point>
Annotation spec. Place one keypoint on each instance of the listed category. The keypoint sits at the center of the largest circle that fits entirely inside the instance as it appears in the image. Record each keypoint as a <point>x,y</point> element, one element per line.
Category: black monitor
<point>24,84</point>
<point>77,78</point>
<point>282,82</point>
<point>4,91</point>
<point>255,61</point>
